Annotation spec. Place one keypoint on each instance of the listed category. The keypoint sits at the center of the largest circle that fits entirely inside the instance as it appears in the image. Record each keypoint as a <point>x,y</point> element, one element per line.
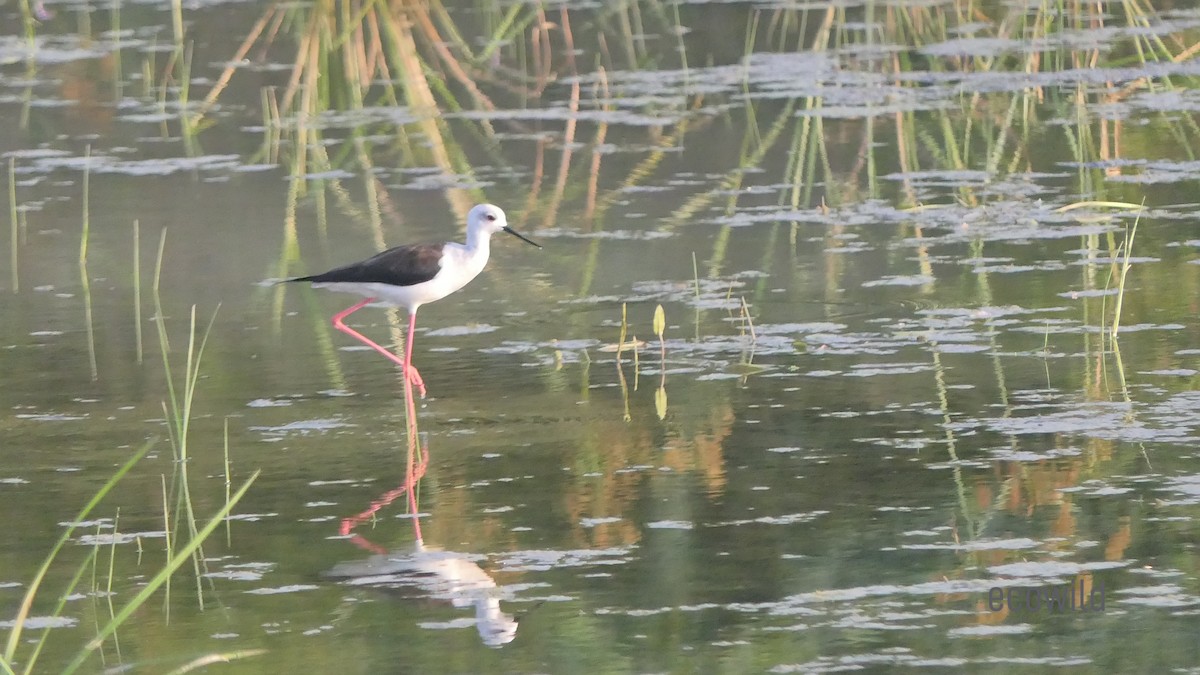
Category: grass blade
<point>68,592</point>
<point>14,637</point>
<point>1125,264</point>
<point>181,556</point>
<point>14,254</point>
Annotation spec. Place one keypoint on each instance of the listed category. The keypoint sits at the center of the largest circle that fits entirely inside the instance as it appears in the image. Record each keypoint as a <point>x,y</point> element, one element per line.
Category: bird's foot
<point>415,379</point>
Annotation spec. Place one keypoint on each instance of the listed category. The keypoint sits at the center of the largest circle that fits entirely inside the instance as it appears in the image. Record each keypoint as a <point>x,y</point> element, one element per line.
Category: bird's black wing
<point>400,266</point>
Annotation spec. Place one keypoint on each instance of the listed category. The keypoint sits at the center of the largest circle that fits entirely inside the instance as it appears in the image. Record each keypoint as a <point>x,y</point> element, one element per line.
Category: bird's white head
<point>488,219</point>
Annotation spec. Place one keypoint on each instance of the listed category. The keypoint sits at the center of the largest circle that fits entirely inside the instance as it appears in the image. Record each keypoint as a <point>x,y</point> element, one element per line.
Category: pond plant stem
<point>168,546</point>
<point>660,395</point>
<point>137,291</point>
<point>108,585</point>
<point>620,371</point>
<point>85,281</point>
<point>14,225</point>
<point>228,480</point>
<point>1127,246</point>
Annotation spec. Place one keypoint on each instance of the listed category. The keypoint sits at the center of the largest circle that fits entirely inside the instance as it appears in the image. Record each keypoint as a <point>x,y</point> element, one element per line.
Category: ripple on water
<point>304,427</point>
<point>456,331</point>
<point>39,622</point>
<point>1167,595</point>
<point>984,630</point>
<point>786,519</point>
<point>671,525</point>
<point>594,522</point>
<point>111,538</point>
<point>543,560</point>
<point>268,403</point>
<point>50,417</point>
<point>859,662</point>
<point>1008,454</point>
<point>293,588</point>
<point>1052,569</point>
<point>1187,486</point>
<point>980,545</point>
<point>242,572</point>
<point>97,163</point>
<point>900,280</point>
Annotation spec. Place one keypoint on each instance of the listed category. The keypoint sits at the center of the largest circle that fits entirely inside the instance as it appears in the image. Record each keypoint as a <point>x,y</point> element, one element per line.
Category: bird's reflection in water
<point>442,575</point>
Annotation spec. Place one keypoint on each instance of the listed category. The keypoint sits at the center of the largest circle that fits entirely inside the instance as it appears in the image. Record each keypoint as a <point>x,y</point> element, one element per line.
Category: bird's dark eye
<point>491,216</point>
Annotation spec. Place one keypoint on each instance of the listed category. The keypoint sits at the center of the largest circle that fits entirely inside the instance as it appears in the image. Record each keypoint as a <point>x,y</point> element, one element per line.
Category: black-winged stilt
<point>413,275</point>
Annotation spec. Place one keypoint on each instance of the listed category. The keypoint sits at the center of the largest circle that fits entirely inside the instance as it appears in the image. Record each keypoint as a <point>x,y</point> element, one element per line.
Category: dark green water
<point>891,395</point>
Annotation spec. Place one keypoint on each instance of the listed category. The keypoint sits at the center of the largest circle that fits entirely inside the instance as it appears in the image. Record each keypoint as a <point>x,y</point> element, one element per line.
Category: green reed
<point>747,320</point>
<point>1127,247</point>
<point>29,24</point>
<point>188,130</point>
<point>168,545</point>
<point>114,14</point>
<point>112,569</point>
<point>178,410</point>
<point>14,225</point>
<point>39,577</point>
<point>116,617</point>
<point>148,75</point>
<point>660,395</point>
<point>187,552</point>
<point>1121,254</point>
<point>84,278</point>
<point>137,290</point>
<point>696,286</point>
<point>177,24</point>
<point>228,478</point>
<point>637,363</point>
<point>621,371</point>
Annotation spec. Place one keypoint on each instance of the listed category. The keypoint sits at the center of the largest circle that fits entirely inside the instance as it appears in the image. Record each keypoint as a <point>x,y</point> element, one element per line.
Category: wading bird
<point>416,274</point>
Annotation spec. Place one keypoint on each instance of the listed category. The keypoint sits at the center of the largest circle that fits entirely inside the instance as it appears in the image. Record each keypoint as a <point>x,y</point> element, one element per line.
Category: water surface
<point>886,391</point>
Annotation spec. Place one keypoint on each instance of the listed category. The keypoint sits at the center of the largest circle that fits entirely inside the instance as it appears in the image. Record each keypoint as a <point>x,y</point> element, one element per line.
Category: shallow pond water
<point>886,424</point>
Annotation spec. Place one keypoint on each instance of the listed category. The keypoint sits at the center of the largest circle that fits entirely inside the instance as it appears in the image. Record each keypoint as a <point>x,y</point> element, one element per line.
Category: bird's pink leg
<point>338,324</point>
<point>408,343</point>
<point>410,373</point>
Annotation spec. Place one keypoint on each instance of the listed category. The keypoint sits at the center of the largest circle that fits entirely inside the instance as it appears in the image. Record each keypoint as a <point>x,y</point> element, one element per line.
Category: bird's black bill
<point>522,237</point>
